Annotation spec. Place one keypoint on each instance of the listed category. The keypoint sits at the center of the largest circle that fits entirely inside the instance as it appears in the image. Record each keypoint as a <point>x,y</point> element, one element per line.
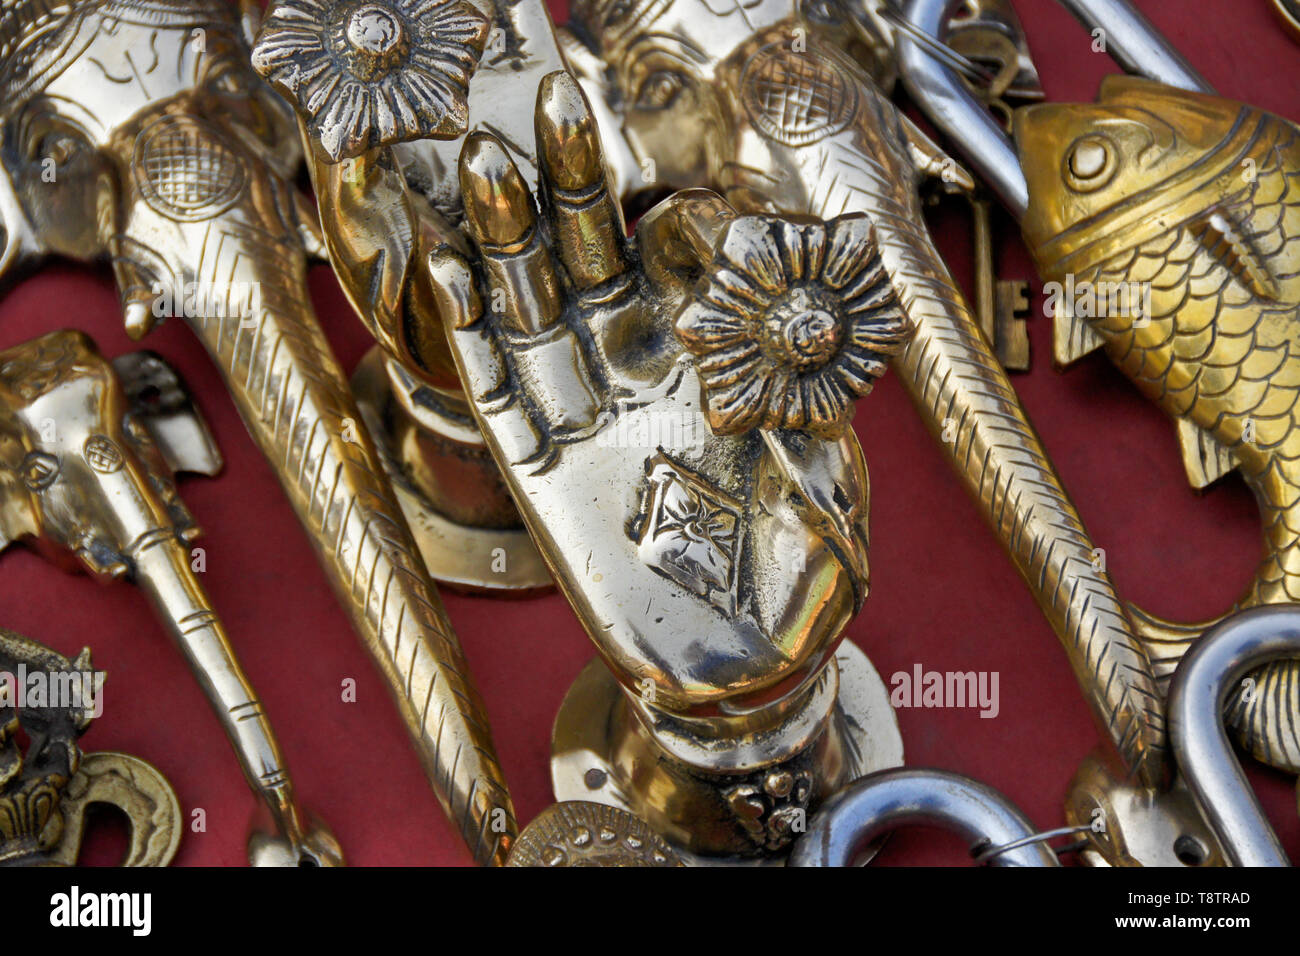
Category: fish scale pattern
<point>1220,346</point>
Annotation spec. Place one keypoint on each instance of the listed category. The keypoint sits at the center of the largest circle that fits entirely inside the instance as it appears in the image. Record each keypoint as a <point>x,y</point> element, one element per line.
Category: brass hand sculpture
<point>706,518</point>
<point>84,482</point>
<point>712,541</point>
<point>715,572</point>
<point>178,166</point>
<point>757,102</point>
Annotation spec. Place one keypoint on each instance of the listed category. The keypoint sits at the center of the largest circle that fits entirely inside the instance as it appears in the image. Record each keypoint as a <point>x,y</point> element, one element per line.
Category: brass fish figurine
<point>1172,221</point>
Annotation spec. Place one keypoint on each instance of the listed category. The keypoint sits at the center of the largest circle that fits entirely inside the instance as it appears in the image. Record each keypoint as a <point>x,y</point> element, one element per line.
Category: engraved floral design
<point>698,534</point>
<point>690,532</point>
<point>791,323</point>
<point>368,73</point>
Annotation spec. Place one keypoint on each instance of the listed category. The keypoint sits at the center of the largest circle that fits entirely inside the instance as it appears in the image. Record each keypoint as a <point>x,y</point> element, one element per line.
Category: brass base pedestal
<point>475,559</point>
<point>598,754</point>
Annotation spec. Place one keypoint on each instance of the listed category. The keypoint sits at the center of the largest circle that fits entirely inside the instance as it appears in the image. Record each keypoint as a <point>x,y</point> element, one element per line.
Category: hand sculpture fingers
<point>375,231</point>
<point>483,369</point>
<point>586,223</point>
<point>677,237</point>
<point>743,553</point>
<point>526,302</point>
<point>502,220</point>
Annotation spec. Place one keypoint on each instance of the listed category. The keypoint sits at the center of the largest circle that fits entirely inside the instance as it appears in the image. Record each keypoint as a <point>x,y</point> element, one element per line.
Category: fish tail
<point>1264,711</point>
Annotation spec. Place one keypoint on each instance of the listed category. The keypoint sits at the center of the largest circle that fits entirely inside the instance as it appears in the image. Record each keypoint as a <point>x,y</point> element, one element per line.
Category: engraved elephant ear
<point>370,73</point>
<point>790,323</point>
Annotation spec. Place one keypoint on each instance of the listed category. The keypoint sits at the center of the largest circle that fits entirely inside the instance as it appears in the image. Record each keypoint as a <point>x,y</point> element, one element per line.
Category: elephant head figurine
<point>83,481</point>
<point>135,131</point>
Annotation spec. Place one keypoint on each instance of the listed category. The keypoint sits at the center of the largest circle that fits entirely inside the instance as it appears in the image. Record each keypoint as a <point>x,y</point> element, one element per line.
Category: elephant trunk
<point>239,278</point>
<point>868,158</point>
<point>956,382</point>
<point>161,569</point>
<point>294,399</point>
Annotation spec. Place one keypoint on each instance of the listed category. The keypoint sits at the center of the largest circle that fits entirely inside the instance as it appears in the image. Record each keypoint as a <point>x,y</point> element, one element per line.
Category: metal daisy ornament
<point>370,73</point>
<point>792,322</point>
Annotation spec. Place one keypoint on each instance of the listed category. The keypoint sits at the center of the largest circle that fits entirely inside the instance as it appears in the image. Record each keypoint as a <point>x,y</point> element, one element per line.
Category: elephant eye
<point>57,147</point>
<point>659,90</point>
<point>226,78</point>
<point>619,11</point>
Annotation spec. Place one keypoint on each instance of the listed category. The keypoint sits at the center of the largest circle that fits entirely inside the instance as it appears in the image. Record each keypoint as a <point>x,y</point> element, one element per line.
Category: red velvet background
<point>943,595</point>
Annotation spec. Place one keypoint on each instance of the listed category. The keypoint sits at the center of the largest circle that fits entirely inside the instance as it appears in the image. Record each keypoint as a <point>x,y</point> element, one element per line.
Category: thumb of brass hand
<point>670,411</point>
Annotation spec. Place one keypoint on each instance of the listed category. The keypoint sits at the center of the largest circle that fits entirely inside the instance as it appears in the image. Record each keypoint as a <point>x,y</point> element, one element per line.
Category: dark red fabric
<point>943,595</point>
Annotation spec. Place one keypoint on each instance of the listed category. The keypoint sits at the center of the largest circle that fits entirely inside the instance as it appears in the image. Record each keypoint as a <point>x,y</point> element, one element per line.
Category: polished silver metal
<point>1130,40</point>
<point>938,90</point>
<point>1214,667</point>
<point>1135,44</point>
<point>880,802</point>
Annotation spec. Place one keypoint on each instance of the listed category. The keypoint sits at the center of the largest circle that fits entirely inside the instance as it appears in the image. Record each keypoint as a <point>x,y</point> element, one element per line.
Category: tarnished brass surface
<point>179,168</point>
<point>602,752</point>
<point>44,792</point>
<point>88,487</point>
<point>721,97</point>
<point>590,834</point>
<point>1010,311</point>
<point>142,794</point>
<point>1000,304</point>
<point>1177,216</point>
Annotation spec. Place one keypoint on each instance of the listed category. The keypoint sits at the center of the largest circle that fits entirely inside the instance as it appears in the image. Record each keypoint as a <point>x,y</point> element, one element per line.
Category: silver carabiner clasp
<point>884,801</point>
<point>1215,666</point>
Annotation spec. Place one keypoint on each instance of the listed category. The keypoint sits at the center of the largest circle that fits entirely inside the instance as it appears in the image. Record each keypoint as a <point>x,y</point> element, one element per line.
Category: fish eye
<point>1090,163</point>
